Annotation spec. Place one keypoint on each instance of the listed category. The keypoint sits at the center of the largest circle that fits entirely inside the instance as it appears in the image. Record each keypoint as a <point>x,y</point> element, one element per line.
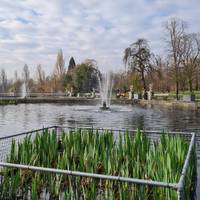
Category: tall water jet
<point>23,90</point>
<point>105,86</point>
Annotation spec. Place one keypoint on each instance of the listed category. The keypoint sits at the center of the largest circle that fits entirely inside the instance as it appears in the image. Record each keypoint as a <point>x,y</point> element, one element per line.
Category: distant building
<point>71,65</point>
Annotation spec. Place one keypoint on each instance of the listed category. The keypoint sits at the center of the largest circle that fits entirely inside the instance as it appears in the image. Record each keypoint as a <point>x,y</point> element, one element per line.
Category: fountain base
<point>104,107</point>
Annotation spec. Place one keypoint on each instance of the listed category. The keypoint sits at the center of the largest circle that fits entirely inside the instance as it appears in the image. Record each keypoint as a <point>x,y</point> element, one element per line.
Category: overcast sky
<point>32,31</point>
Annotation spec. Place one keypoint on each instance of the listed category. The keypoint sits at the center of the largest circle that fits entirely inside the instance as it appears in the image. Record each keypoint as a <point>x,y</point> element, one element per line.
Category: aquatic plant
<point>97,152</point>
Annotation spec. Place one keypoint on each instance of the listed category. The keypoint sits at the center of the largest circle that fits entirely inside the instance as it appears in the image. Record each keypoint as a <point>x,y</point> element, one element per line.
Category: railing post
<point>180,192</point>
<point>56,131</point>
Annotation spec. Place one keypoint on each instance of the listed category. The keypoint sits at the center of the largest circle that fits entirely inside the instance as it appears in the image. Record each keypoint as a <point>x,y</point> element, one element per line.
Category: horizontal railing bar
<point>92,175</point>
<point>129,130</point>
<point>28,132</point>
<point>93,128</point>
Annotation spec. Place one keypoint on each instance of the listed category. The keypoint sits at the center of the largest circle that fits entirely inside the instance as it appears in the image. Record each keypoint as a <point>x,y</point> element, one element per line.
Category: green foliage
<point>8,102</point>
<point>138,58</point>
<point>136,82</point>
<point>67,81</point>
<point>102,153</point>
<point>85,78</point>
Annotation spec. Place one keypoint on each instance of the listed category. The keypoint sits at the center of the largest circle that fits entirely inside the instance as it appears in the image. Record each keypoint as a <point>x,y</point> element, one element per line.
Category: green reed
<point>97,152</point>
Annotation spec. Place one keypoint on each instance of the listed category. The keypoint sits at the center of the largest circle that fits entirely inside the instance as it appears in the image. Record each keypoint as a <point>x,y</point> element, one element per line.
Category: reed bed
<point>91,151</point>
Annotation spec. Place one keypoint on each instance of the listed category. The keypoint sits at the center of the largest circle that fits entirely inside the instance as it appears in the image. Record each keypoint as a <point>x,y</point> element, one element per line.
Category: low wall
<point>175,104</point>
<point>68,100</point>
<point>92,101</point>
<point>163,103</point>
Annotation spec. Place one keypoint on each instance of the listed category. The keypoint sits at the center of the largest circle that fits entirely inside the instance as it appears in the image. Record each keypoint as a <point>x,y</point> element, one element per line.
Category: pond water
<point>24,117</point>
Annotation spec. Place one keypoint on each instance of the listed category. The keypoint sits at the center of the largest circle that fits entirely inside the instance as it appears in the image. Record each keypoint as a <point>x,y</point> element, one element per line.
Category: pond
<point>24,117</point>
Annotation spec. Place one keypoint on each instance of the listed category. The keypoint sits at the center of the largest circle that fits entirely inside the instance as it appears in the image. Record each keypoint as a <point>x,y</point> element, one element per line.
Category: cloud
<point>32,31</point>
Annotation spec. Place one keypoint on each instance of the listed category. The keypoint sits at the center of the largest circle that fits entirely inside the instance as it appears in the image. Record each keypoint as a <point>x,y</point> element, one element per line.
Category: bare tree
<point>4,81</point>
<point>191,52</point>
<point>138,58</point>
<point>58,76</point>
<point>17,83</point>
<point>197,75</point>
<point>26,76</point>
<point>175,30</point>
<point>16,76</point>
<point>158,74</point>
<point>60,64</point>
<point>91,62</point>
<point>40,74</point>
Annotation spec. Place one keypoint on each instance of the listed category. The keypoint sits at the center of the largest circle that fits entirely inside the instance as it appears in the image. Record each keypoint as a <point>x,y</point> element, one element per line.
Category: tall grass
<point>102,153</point>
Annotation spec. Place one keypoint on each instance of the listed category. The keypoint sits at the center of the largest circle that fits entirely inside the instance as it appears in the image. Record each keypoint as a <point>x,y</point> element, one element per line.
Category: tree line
<point>75,78</point>
<point>177,70</point>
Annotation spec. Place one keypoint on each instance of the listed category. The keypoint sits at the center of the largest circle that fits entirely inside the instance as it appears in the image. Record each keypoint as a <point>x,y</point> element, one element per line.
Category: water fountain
<point>105,85</point>
<point>23,91</point>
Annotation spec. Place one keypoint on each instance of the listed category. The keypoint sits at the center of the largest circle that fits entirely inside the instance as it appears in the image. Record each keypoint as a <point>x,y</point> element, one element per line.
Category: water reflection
<point>30,116</point>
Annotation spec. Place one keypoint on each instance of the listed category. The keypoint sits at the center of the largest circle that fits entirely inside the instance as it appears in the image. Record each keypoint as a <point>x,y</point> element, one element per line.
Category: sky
<point>32,31</point>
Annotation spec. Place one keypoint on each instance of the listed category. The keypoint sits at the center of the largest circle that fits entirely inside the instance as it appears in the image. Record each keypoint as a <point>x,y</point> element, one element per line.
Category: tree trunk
<point>177,81</point>
<point>144,86</point>
<point>197,82</point>
<point>177,90</point>
<point>190,85</point>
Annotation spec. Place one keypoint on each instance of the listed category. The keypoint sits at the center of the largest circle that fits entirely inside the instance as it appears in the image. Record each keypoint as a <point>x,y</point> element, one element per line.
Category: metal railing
<point>5,145</point>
